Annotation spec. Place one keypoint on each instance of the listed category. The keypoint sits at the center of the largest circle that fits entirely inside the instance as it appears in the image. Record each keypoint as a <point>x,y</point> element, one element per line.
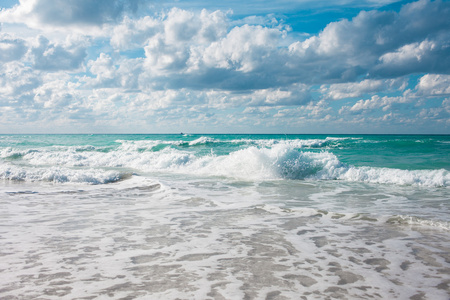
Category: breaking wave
<point>282,160</point>
<point>61,175</point>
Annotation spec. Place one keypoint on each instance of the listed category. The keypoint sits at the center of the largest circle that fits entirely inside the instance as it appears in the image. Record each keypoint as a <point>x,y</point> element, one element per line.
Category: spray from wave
<point>61,175</point>
<point>271,161</point>
<point>283,162</point>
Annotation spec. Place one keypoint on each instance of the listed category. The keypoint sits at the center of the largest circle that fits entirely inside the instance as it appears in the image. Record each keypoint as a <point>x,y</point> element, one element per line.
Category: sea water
<point>224,217</point>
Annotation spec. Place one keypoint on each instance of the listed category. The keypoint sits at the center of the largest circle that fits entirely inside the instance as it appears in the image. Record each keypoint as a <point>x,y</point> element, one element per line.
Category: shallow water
<point>122,220</point>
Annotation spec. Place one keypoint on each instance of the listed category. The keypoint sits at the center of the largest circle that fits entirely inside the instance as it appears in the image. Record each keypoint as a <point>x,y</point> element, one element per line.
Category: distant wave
<point>201,141</point>
<point>143,145</point>
<point>296,143</point>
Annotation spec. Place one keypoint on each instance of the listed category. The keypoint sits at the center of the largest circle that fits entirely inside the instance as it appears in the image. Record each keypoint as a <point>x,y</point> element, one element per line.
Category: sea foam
<point>283,162</point>
<point>279,161</point>
<point>61,175</point>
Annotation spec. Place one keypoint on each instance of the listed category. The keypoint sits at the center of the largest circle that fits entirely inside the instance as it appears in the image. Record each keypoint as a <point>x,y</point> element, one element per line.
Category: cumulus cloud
<point>159,64</point>
<point>185,49</point>
<point>310,113</point>
<point>293,95</point>
<point>11,48</point>
<point>426,56</point>
<point>357,89</point>
<point>50,57</point>
<point>131,34</point>
<point>202,54</point>
<point>439,114</point>
<point>380,43</point>
<point>244,49</point>
<point>17,83</point>
<point>434,85</point>
<point>106,73</point>
<point>54,94</point>
<point>373,44</point>
<point>64,13</point>
<point>385,103</point>
<point>182,36</point>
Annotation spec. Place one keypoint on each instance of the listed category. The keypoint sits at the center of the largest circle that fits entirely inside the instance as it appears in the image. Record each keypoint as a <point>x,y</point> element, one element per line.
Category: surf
<point>282,160</point>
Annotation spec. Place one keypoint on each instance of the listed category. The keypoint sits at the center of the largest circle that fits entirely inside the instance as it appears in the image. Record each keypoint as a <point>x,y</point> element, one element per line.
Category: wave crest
<point>280,161</point>
<point>61,175</point>
<point>283,162</point>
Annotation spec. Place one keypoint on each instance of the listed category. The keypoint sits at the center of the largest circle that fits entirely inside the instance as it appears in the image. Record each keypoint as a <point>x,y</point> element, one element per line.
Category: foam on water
<point>419,222</point>
<point>221,217</point>
<point>141,239</point>
<point>329,142</point>
<point>430,178</point>
<point>279,161</point>
<point>201,140</point>
<point>400,220</point>
<point>61,175</point>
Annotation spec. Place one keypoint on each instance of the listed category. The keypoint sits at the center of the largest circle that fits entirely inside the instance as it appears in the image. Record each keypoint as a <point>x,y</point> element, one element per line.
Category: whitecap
<point>61,175</point>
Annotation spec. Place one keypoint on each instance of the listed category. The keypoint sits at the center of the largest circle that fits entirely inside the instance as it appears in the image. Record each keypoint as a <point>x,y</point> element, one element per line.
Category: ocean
<point>224,216</point>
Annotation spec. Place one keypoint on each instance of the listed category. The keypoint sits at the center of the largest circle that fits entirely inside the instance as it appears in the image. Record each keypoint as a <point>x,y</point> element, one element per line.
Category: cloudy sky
<point>254,66</point>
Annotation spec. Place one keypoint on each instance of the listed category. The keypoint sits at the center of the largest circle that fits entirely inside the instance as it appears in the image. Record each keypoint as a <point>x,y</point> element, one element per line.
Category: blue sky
<point>136,66</point>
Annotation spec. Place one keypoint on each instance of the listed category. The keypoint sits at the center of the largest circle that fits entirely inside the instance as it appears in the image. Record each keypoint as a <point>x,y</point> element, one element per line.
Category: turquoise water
<point>296,166</point>
<point>391,151</point>
<point>224,216</point>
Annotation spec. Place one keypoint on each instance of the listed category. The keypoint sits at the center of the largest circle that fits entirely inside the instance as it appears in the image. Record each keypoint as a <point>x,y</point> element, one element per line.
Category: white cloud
<point>214,25</point>
<point>439,114</point>
<point>384,103</point>
<point>357,89</point>
<point>426,56</point>
<point>207,65</point>
<point>54,94</point>
<point>130,34</point>
<point>312,111</point>
<point>182,36</point>
<point>185,49</point>
<point>180,26</point>
<point>11,48</point>
<point>58,14</point>
<point>410,53</point>
<point>378,43</point>
<point>102,67</point>
<point>17,83</point>
<point>293,95</point>
<point>162,57</point>
<point>244,49</point>
<point>50,57</point>
<point>109,73</point>
<point>433,85</point>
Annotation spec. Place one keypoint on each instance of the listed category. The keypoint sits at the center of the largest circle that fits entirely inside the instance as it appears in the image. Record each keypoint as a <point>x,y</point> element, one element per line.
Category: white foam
<point>282,162</point>
<point>279,161</point>
<point>200,239</point>
<point>254,163</point>
<point>363,217</point>
<point>295,143</point>
<point>137,145</point>
<point>416,221</point>
<point>431,178</point>
<point>201,140</point>
<point>60,175</point>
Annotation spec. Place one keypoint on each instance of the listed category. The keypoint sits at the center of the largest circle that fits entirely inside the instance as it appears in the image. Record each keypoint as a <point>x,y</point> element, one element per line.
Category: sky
<point>297,66</point>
